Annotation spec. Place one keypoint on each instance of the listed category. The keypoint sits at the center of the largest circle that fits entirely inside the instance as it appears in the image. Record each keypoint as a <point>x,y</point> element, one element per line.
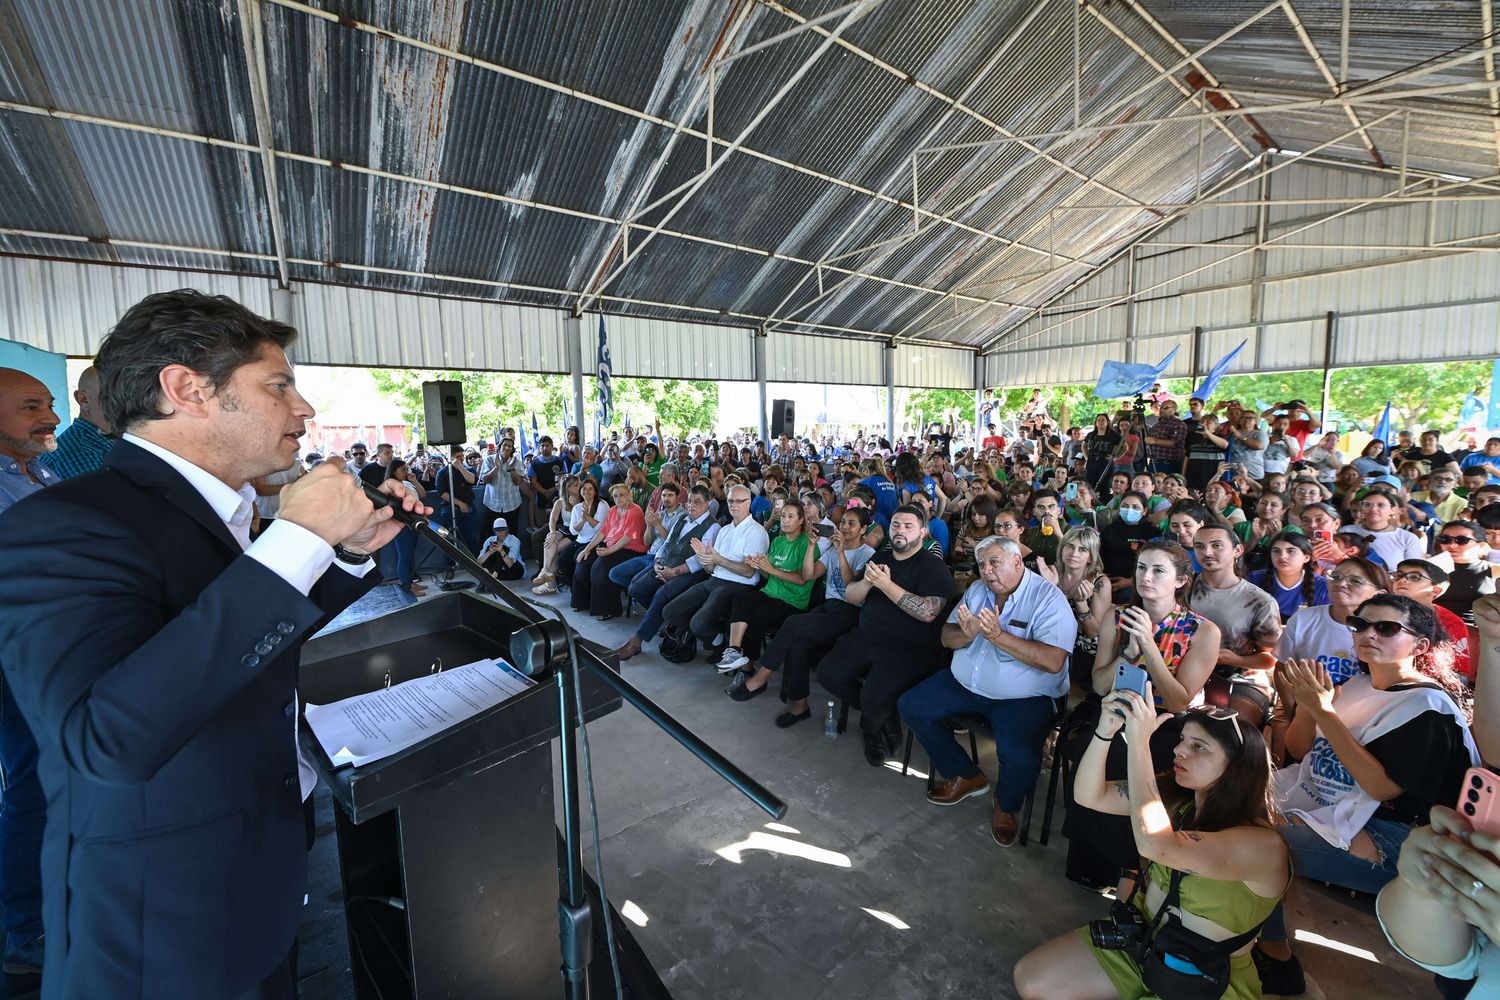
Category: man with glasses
<point>704,607</point>
<point>673,567</point>
<point>358,458</point>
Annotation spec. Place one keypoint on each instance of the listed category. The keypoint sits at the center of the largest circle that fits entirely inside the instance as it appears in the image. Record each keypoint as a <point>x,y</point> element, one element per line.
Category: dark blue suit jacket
<point>156,665</point>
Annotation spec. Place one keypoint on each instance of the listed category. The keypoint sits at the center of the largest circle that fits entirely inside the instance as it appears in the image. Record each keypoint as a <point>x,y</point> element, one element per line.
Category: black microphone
<point>409,518</point>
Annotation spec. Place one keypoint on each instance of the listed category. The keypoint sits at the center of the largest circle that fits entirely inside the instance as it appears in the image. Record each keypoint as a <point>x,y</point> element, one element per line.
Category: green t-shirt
<point>786,555</point>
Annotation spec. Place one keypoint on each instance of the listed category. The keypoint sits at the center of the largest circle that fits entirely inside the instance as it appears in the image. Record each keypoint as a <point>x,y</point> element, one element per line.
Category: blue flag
<point>1472,410</point>
<point>1216,373</point>
<point>1495,397</point>
<point>606,397</point>
<point>536,435</point>
<point>1383,428</point>
<point>1119,378</point>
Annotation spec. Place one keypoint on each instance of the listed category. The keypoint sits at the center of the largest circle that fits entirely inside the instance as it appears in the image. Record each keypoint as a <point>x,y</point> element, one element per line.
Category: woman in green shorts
<point>1206,827</point>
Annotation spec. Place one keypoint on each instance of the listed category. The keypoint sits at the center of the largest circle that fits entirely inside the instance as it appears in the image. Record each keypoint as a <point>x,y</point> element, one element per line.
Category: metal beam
<point>858,10</point>
<point>253,38</point>
<point>1375,201</point>
<point>1487,22</point>
<point>356,168</point>
<point>580,95</point>
<point>1328,77</point>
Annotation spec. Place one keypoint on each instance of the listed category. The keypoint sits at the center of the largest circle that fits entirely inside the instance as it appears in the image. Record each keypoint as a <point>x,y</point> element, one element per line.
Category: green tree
<point>494,399</point>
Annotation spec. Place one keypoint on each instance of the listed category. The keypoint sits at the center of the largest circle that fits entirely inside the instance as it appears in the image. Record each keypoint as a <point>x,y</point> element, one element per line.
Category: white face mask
<point>1130,515</point>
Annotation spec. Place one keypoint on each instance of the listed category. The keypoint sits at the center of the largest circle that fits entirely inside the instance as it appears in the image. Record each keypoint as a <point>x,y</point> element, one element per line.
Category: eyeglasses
<point>1218,714</point>
<point>739,499</point>
<point>1386,630</point>
<point>1353,581</point>
<point>1455,540</point>
<point>1413,577</point>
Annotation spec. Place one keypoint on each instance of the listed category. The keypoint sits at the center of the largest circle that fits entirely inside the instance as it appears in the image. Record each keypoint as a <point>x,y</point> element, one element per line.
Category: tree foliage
<point>494,399</point>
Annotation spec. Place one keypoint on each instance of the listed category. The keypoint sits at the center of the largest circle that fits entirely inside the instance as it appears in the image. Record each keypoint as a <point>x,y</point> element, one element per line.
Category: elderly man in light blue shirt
<point>1011,633</point>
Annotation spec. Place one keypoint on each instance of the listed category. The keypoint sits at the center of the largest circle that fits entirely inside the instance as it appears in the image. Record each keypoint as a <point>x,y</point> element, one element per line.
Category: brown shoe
<point>1003,827</point>
<point>955,790</point>
<point>632,646</point>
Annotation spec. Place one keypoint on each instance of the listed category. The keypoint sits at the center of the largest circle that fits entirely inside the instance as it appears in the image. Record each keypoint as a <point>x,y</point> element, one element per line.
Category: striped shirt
<point>80,448</point>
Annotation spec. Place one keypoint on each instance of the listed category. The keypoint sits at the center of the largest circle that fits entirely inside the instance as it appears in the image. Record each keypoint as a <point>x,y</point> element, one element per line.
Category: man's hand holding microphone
<point>332,505</point>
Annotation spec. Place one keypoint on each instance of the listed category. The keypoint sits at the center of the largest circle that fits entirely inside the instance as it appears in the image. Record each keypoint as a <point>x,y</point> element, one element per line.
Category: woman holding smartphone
<point>1373,764</point>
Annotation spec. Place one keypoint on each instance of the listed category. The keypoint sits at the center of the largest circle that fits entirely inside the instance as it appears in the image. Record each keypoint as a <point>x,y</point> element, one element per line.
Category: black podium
<point>460,829</point>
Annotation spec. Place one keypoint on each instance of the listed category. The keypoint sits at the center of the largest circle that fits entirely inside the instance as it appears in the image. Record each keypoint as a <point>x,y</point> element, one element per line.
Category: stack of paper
<point>381,723</point>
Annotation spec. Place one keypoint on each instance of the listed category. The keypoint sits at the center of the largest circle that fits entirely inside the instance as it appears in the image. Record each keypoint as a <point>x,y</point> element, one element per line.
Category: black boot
<point>874,748</point>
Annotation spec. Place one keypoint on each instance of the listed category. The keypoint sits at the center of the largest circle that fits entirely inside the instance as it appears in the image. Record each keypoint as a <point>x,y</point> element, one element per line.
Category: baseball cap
<point>1390,481</point>
<point>500,523</point>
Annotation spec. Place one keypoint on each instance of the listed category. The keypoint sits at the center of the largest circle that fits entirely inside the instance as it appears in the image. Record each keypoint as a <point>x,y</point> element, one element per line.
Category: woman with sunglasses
<point>1205,826</point>
<point>1372,764</point>
<point>1471,577</point>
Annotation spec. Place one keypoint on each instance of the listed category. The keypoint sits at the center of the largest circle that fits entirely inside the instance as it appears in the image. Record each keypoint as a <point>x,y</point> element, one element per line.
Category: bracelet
<point>1106,739</point>
<point>349,556</point>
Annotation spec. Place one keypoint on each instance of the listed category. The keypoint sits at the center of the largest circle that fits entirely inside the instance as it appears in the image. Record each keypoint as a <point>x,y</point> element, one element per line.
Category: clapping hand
<point>989,623</point>
<point>1139,632</point>
<point>1311,684</point>
<point>968,622</point>
<point>1046,572</point>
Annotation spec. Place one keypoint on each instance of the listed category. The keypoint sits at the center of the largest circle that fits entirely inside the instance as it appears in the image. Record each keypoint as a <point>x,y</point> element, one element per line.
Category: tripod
<point>550,647</point>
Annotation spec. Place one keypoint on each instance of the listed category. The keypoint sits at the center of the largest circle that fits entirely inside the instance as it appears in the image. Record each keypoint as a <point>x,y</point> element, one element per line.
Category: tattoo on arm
<point>1194,837</point>
<point>923,609</point>
<point>1122,790</point>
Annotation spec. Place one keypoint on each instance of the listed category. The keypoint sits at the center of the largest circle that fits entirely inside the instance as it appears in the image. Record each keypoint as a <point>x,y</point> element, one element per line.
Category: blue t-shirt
<point>1290,601</point>
<point>887,497</point>
<point>1480,458</point>
<point>939,532</point>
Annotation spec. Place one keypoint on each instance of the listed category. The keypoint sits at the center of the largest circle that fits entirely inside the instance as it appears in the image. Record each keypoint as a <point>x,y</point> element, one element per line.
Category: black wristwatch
<point>350,557</point>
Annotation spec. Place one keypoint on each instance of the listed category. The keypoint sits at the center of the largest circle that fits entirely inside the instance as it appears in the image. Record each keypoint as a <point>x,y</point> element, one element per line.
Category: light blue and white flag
<point>1118,379</point>
<point>1383,428</point>
<point>606,396</point>
<point>1216,373</point>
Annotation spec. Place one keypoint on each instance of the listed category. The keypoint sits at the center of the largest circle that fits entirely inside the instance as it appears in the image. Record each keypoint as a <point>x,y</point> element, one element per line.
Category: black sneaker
<point>874,748</point>
<point>1278,977</point>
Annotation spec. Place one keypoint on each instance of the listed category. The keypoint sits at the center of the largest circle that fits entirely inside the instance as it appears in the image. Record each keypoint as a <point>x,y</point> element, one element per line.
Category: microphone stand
<point>550,646</point>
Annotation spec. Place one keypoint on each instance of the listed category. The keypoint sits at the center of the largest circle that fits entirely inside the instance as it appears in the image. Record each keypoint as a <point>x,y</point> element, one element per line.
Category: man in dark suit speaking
<point>152,646</point>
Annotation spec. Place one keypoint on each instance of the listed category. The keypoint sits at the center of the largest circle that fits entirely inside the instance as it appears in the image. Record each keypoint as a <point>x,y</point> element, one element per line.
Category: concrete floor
<point>863,890</point>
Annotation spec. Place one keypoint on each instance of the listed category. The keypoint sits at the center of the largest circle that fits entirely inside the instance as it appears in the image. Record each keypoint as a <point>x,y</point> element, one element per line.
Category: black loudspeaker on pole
<point>783,418</point>
<point>443,408</point>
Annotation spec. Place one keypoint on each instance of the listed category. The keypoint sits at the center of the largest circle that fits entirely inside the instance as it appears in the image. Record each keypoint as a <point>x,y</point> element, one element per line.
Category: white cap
<point>500,523</point>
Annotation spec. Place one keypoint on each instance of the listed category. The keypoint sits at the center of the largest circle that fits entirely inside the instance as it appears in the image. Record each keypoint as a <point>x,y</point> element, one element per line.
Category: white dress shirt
<point>289,550</point>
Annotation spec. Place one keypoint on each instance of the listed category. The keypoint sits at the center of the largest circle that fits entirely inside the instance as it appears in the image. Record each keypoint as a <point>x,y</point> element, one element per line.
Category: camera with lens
<point>1125,930</point>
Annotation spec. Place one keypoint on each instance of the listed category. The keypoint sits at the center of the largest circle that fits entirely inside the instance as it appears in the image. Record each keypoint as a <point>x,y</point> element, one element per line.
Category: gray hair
<point>1008,544</point>
<point>667,467</point>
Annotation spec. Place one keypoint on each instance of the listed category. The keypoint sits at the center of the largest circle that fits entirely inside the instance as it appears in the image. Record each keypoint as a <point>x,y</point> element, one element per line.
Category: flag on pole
<point>606,396</point>
<point>567,418</point>
<point>520,439</point>
<point>1119,378</point>
<point>1383,429</point>
<point>1495,397</point>
<point>1472,410</point>
<point>1216,373</point>
<point>536,435</point>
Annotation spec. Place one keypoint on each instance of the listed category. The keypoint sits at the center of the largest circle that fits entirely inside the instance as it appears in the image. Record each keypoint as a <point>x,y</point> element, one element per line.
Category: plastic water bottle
<point>830,724</point>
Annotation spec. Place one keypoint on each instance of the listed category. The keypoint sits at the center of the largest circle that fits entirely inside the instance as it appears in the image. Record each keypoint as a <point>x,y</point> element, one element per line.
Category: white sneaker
<point>733,659</point>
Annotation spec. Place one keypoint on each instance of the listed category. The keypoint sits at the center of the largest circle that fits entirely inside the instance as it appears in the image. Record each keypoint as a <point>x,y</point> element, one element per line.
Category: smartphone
<point>1479,802</point>
<point>1071,492</point>
<point>1322,535</point>
<point>1129,677</point>
<point>826,530</point>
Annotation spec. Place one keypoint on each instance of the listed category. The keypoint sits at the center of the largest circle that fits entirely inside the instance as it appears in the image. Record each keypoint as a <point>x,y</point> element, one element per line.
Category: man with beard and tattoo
<point>897,642</point>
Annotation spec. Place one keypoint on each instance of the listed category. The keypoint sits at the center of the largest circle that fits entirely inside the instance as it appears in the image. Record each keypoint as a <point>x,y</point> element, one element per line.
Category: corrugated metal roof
<point>494,149</point>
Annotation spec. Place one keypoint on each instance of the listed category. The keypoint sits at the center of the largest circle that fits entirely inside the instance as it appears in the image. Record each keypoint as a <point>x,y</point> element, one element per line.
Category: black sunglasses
<point>1386,630</point>
<point>1455,540</point>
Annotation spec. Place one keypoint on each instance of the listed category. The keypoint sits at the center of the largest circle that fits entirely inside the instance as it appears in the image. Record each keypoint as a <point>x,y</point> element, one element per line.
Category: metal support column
<point>890,393</point>
<point>759,340</point>
<point>1330,331</point>
<point>1195,355</point>
<point>573,335</point>
<point>978,397</point>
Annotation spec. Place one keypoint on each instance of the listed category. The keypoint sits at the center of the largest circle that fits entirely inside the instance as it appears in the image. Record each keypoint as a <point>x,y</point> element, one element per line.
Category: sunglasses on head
<point>1386,630</point>
<point>1219,714</point>
<point>1455,540</point>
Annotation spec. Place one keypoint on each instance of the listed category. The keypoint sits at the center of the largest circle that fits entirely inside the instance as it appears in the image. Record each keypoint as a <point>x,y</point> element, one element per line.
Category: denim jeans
<point>622,574</point>
<point>1317,859</point>
<point>647,590</point>
<point>405,545</point>
<point>23,813</point>
<point>1020,726</point>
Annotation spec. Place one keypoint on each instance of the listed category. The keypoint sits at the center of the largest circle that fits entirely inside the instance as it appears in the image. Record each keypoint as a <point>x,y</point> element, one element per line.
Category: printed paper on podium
<point>376,725</point>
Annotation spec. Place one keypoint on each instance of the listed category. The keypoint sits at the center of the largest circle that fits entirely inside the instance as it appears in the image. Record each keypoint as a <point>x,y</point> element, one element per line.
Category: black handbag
<point>1179,964</point>
<point>678,646</point>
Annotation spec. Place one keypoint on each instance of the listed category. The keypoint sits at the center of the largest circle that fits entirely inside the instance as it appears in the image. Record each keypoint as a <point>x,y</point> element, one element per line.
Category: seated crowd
<point>1251,658</point>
